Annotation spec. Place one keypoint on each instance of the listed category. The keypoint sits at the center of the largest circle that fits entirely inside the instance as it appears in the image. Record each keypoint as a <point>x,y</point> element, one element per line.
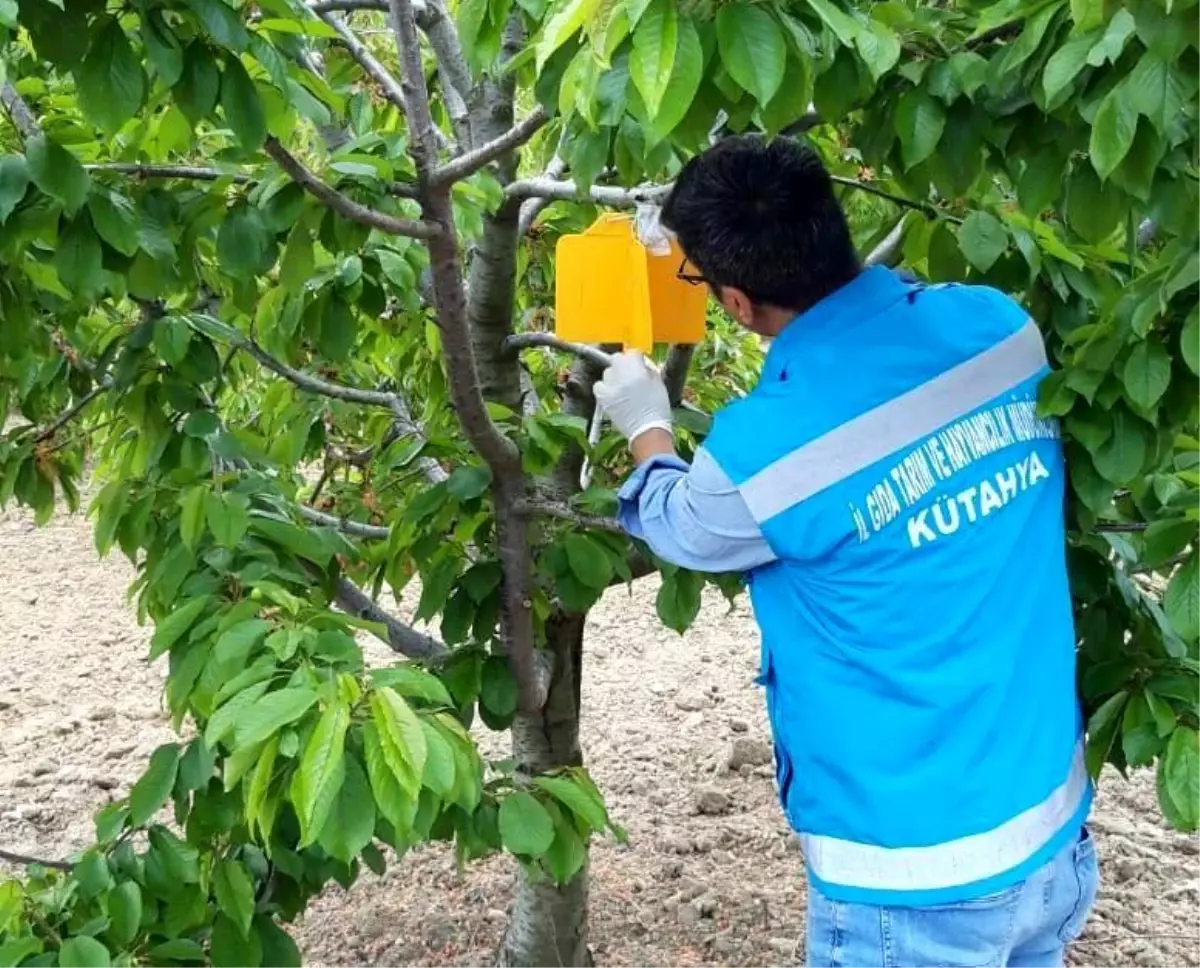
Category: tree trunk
<point>549,924</point>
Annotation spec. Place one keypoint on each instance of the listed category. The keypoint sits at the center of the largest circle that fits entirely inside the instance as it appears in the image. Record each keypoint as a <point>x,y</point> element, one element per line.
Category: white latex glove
<point>633,396</point>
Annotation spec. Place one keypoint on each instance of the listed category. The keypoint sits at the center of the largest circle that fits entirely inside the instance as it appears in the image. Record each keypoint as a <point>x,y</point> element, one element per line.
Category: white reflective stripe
<point>956,862</point>
<point>902,421</point>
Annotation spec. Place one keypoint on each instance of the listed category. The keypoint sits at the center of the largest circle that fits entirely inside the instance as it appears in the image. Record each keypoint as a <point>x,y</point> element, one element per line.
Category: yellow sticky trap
<point>609,289</point>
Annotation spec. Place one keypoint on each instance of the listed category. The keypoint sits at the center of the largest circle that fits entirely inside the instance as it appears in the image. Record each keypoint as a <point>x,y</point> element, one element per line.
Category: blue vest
<point>918,644</point>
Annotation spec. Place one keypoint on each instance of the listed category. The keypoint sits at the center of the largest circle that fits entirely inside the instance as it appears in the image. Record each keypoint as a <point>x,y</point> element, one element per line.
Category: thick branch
<point>455,76</point>
<point>531,208</point>
<point>887,247</point>
<point>24,119</point>
<point>404,639</point>
<point>187,172</point>
<point>369,532</point>
<point>467,164</point>
<point>501,454</point>
<point>342,204</point>
<point>554,190</point>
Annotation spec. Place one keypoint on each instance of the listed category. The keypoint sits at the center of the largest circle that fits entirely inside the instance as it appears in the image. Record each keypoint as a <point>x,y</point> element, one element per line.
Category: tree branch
<point>403,638</point>
<point>521,341</point>
<point>887,247</point>
<point>362,54</point>
<point>187,172</point>
<point>467,164</point>
<point>675,370</point>
<point>439,28</point>
<point>564,512</point>
<point>70,414</point>
<point>26,861</point>
<point>554,190</point>
<point>500,453</point>
<point>531,208</point>
<point>23,118</point>
<point>312,384</point>
<point>369,532</point>
<point>342,204</point>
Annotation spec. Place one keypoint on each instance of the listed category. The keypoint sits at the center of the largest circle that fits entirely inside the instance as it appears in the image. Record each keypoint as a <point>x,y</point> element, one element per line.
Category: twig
<point>610,196</point>
<point>24,119</point>
<point>563,512</point>
<point>362,54</point>
<point>1117,527</point>
<point>521,341</point>
<point>375,398</point>
<point>187,172</point>
<point>404,639</point>
<point>347,6</point>
<point>70,414</point>
<point>26,861</point>
<point>371,532</point>
<point>884,251</point>
<point>342,204</point>
<point>531,208</point>
<point>467,164</point>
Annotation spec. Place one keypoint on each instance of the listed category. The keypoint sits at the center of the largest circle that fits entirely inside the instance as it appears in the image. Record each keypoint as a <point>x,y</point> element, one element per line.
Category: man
<point>897,506</point>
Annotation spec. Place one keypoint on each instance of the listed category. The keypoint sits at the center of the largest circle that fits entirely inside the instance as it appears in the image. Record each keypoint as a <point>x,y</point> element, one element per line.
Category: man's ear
<point>737,304</point>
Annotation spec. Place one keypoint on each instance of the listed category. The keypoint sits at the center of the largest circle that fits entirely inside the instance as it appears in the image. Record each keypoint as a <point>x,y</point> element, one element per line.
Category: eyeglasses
<point>691,278</point>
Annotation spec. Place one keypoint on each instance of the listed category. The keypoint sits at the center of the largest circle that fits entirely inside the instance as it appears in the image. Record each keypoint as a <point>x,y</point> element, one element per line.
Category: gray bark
<point>549,924</point>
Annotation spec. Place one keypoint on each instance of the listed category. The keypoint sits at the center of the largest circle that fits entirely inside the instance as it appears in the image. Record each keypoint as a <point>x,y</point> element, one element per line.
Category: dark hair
<point>761,216</point>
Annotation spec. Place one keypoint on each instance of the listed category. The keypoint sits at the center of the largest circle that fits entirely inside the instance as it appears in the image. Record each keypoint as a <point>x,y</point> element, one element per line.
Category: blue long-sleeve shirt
<point>692,516</point>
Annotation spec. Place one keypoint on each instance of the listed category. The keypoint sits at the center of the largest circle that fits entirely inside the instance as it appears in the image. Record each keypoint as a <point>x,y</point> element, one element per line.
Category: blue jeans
<point>1025,926</point>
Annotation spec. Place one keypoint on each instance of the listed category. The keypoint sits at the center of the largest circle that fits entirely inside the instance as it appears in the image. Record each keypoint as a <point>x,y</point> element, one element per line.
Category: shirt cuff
<point>628,511</point>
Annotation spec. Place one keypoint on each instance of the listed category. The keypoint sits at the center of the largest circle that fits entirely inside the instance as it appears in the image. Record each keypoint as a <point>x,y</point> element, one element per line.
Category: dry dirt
<point>80,712</point>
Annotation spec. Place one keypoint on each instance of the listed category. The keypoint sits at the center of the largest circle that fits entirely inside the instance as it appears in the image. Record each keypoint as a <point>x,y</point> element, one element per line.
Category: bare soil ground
<point>710,875</point>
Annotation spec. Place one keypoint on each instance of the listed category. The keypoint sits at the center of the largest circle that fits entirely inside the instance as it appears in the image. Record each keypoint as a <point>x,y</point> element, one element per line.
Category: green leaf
<point>222,23</point>
<point>439,761</point>
<point>1181,601</point>
<point>879,48</point>
<point>982,239</point>
<point>844,27</point>
<point>14,180</point>
<point>920,121</point>
<point>397,804</point>
<point>227,517</point>
<point>1179,779</point>
<point>1102,731</point>
<point>111,83</point>
<point>322,770</point>
<point>228,947</point>
<point>235,893</point>
<point>1154,89</point>
<point>498,689</point>
<point>562,25</point>
<point>752,48</point>
<point>124,912</point>
<point>469,482</point>
<point>351,821</point>
<point>1121,27</point>
<point>567,853</point>
<point>1087,14</point>
<point>1163,540</point>
<point>196,766</point>
<point>171,338</point>
<point>678,601</point>
<point>154,786</point>
<point>1120,458</point>
<point>589,561</point>
<point>1147,373</point>
<point>177,949</point>
<point>235,644</point>
<point>245,246</point>
<point>579,800</point>
<point>1189,341</point>
<point>1093,210</point>
<point>655,41</point>
<point>299,541</point>
<point>239,100</point>
<point>83,952</point>
<point>271,713</point>
<point>115,219</point>
<point>401,737</point>
<point>191,517</point>
<point>790,103</point>
<point>172,628</point>
<point>526,828</point>
<point>1065,64</point>
<point>412,681</point>
<point>92,874</point>
<point>78,260</point>
<point>278,948</point>
<point>1113,131</point>
<point>196,90</point>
